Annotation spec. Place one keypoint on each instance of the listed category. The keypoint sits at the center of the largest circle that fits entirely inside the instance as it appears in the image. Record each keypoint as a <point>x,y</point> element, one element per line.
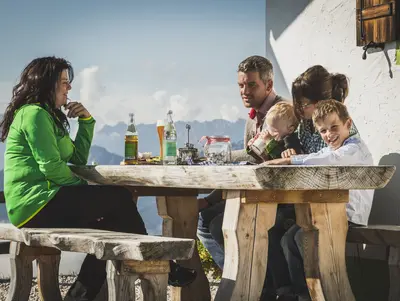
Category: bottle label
<point>170,149</point>
<point>131,150</point>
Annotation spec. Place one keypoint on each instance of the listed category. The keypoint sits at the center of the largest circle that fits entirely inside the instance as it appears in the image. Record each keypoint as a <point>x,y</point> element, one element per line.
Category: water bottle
<point>169,141</point>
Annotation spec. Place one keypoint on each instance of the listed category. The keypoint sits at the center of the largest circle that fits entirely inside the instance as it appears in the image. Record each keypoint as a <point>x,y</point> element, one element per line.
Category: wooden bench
<point>129,257</point>
<point>383,235</point>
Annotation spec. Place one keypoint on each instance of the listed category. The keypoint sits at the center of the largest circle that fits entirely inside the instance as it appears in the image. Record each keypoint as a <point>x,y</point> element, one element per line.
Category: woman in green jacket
<point>39,187</point>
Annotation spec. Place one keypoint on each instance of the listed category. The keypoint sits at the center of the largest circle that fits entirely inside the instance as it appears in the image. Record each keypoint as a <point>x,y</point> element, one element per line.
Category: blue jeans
<point>209,231</point>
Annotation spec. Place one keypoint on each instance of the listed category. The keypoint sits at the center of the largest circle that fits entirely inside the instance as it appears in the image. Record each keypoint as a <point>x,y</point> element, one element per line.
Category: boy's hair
<point>326,107</point>
<point>285,111</point>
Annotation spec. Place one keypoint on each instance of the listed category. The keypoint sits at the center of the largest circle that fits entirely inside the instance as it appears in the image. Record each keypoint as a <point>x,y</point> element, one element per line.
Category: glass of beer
<point>160,131</point>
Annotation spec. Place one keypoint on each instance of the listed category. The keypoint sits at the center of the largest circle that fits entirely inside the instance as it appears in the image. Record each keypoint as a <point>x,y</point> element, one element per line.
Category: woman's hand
<point>288,153</point>
<point>281,161</point>
<point>76,109</point>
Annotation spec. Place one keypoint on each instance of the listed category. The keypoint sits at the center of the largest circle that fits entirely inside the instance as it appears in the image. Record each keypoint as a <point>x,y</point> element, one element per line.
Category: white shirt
<point>353,152</point>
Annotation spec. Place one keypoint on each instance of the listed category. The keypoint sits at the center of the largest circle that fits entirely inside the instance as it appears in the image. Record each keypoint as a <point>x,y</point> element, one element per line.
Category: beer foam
<point>160,122</point>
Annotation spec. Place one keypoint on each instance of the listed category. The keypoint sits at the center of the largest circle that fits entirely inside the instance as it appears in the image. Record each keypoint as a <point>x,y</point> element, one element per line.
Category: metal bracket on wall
<point>372,45</point>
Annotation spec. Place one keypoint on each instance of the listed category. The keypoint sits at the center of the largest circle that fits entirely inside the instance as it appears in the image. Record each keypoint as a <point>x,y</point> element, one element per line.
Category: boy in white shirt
<point>331,119</point>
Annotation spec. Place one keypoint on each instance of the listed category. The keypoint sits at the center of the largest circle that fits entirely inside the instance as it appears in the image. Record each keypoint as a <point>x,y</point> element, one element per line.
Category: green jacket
<point>35,161</point>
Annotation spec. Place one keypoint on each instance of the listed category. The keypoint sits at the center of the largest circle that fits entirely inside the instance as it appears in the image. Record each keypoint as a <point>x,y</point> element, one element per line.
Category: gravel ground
<point>66,281</point>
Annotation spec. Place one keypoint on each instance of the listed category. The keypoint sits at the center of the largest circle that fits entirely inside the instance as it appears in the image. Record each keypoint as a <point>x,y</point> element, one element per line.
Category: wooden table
<point>320,194</point>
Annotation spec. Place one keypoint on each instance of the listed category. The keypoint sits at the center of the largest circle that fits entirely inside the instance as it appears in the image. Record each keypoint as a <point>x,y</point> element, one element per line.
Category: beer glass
<point>160,131</point>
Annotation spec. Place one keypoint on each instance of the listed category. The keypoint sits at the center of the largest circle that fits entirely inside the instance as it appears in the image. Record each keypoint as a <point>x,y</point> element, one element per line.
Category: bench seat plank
<point>105,245</point>
<point>386,235</point>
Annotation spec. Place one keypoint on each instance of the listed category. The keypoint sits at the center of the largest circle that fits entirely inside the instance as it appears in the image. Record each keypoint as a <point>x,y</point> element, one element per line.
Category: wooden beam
<point>293,197</point>
<point>384,235</point>
<point>377,11</point>
<point>162,191</point>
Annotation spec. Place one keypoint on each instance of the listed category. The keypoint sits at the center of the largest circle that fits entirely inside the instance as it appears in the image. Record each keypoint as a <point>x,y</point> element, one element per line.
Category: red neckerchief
<point>252,113</point>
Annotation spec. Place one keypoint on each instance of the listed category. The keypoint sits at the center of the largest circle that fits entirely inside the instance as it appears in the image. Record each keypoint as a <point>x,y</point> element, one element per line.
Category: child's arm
<point>345,155</point>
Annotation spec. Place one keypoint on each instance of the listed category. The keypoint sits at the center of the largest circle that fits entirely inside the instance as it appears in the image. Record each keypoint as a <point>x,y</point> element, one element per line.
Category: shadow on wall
<point>279,15</point>
<point>386,205</point>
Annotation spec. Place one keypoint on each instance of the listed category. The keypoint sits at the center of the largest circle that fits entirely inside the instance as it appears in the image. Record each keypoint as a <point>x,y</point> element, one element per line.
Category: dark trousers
<point>278,280</point>
<point>95,207</point>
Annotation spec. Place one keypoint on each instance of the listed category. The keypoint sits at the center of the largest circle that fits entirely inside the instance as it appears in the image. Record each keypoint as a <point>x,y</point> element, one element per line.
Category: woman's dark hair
<point>37,84</point>
<point>317,84</point>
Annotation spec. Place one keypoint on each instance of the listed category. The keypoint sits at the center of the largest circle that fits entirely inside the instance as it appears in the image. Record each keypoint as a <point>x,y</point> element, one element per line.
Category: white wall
<point>302,33</point>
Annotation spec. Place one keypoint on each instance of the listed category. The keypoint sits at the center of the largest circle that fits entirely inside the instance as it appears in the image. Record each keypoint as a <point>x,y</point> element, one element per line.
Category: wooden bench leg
<point>154,287</point>
<point>394,270</point>
<point>183,224</point>
<point>21,273</point>
<point>245,229</point>
<point>48,270</point>
<point>324,241</point>
<point>121,287</point>
<point>154,276</point>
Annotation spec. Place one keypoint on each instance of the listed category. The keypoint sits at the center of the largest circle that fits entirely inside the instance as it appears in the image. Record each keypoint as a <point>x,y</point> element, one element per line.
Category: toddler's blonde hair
<point>282,111</point>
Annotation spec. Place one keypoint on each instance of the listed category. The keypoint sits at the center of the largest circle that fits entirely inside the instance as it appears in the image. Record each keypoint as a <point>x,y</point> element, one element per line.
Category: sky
<point>144,57</point>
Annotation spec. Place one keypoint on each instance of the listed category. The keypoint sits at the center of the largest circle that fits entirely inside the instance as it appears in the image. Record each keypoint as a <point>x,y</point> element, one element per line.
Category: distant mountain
<point>237,145</point>
<point>101,156</point>
<point>112,137</point>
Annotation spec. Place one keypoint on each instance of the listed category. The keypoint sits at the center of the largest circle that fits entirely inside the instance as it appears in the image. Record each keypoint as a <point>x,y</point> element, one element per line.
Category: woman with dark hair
<point>39,187</point>
<point>312,86</point>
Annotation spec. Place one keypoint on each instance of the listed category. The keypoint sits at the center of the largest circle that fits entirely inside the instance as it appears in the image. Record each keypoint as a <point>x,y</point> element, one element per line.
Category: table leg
<point>180,216</point>
<point>324,242</point>
<point>394,273</point>
<point>245,228</point>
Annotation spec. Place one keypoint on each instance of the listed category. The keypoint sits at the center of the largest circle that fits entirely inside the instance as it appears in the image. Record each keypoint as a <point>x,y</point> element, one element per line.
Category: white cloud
<point>111,103</point>
<point>160,96</point>
<point>230,113</point>
<point>179,106</point>
<point>91,87</point>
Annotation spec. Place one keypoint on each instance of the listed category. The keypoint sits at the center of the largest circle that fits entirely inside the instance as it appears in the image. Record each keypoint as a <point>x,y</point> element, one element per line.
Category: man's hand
<point>281,161</point>
<point>76,109</point>
<point>288,153</point>
<point>202,203</point>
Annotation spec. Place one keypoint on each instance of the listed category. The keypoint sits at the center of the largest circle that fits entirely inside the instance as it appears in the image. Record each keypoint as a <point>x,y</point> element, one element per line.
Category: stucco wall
<point>302,33</point>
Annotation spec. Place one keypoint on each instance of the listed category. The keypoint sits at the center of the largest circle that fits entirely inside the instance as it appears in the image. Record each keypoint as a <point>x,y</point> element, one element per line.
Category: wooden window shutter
<point>377,21</point>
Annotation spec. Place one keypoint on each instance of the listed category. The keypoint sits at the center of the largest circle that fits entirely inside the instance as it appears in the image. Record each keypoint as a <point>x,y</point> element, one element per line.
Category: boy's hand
<point>281,161</point>
<point>288,153</point>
